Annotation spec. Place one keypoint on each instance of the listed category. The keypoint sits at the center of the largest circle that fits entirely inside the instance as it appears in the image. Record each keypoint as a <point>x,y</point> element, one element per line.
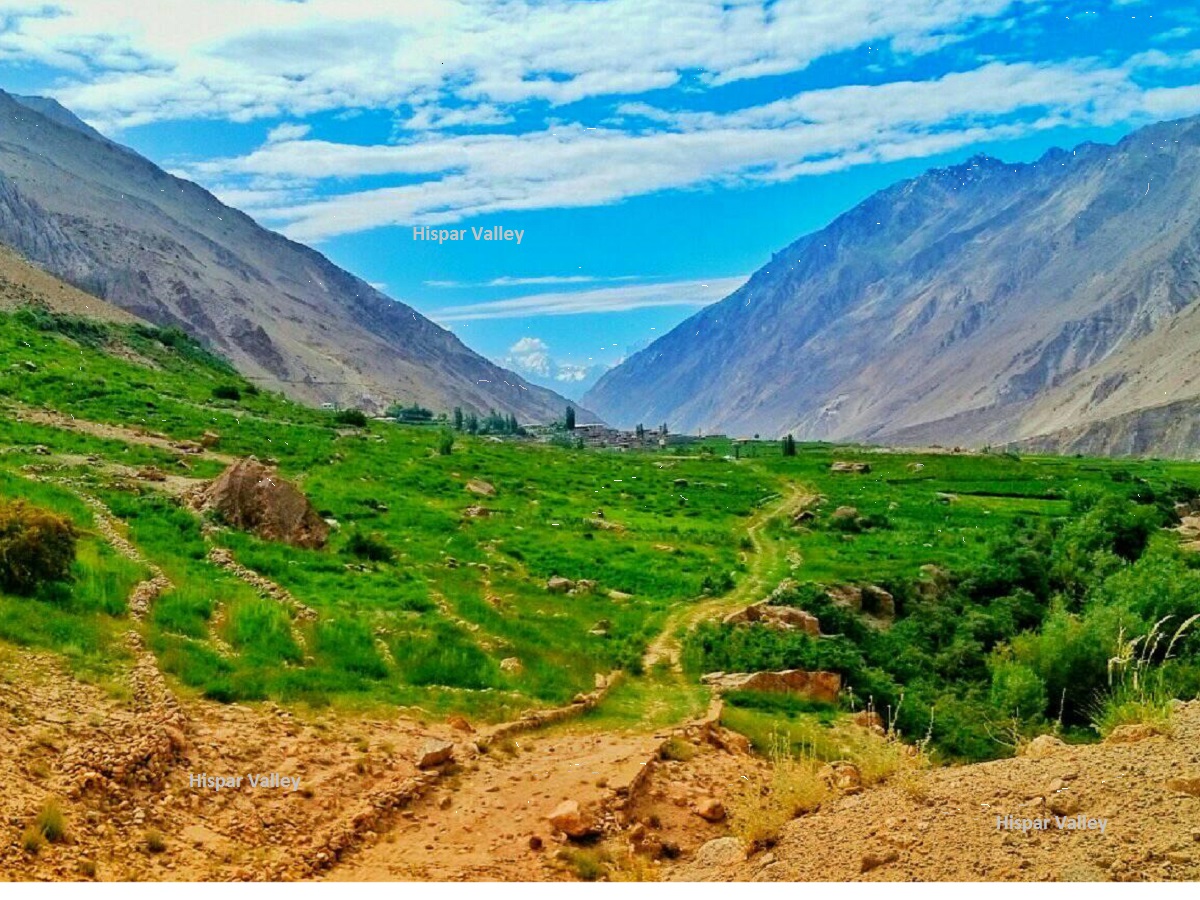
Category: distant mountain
<point>110,222</point>
<point>1051,304</point>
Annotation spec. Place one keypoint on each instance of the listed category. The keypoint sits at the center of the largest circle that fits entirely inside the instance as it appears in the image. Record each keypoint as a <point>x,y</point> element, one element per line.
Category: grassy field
<point>417,603</point>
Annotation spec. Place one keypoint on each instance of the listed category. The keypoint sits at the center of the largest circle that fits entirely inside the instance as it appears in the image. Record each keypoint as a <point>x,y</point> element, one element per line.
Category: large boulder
<point>780,618</point>
<point>434,753</point>
<point>573,820</point>
<point>866,598</point>
<point>1042,747</point>
<point>820,686</point>
<point>252,497</point>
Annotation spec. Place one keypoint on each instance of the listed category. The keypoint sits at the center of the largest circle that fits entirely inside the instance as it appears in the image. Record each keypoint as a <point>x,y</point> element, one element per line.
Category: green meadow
<point>1044,566</point>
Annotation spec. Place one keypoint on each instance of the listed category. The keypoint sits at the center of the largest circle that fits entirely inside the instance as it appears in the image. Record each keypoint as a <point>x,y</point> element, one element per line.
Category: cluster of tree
<point>493,423</point>
<point>413,415</point>
<point>1021,642</point>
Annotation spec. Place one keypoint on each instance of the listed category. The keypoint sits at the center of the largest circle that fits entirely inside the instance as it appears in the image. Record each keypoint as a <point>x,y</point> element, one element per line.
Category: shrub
<point>445,442</point>
<point>676,748</point>
<point>32,840</point>
<point>589,864</point>
<point>354,417</point>
<point>766,803</point>
<point>1017,691</point>
<point>36,547</point>
<point>227,392</point>
<point>50,822</point>
<point>155,842</point>
<point>368,546</point>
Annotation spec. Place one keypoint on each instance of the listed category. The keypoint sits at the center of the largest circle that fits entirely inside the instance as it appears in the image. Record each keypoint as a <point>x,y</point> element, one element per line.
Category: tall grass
<point>1139,680</point>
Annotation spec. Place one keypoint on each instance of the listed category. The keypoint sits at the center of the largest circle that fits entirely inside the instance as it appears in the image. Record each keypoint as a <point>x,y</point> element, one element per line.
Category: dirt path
<point>54,419</point>
<point>485,823</point>
<point>765,564</point>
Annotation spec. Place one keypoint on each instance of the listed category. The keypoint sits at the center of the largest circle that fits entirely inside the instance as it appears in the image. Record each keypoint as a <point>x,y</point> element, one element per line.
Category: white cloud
<point>139,62</point>
<point>454,177</point>
<point>599,300</point>
<point>288,131</point>
<point>517,281</point>
<point>530,355</point>
<point>454,70</point>
<point>570,373</point>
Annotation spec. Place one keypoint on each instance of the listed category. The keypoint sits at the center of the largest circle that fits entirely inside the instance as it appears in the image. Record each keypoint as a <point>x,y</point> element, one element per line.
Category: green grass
<point>83,618</point>
<point>421,613</point>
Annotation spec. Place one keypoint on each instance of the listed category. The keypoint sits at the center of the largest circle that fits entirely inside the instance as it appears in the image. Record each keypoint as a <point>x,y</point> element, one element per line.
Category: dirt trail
<point>765,562</point>
<point>478,824</point>
<point>54,419</point>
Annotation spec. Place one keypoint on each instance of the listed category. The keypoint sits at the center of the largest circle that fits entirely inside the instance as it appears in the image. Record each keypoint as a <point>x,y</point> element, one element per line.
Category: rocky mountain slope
<point>1050,303</point>
<point>113,224</point>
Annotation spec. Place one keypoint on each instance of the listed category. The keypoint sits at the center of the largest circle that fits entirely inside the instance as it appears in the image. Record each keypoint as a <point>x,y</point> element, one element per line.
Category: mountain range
<point>110,222</point>
<point>1049,305</point>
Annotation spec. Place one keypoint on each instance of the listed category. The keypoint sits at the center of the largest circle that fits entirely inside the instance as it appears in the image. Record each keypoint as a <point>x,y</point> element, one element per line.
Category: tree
<point>445,442</point>
<point>789,445</point>
<point>458,418</point>
<point>569,422</point>
<point>472,423</point>
<point>640,431</point>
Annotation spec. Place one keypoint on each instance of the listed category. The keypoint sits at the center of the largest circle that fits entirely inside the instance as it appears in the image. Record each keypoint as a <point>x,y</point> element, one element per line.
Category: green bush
<point>227,392</point>
<point>1018,692</point>
<point>368,546</point>
<point>353,417</point>
<point>37,547</point>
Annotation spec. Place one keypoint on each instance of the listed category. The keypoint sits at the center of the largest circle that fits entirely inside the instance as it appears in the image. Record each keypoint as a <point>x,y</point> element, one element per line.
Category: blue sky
<point>653,152</point>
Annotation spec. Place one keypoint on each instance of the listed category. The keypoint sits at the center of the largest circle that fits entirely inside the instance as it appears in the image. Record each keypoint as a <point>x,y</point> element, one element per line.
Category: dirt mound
<point>1117,811</point>
<point>253,497</point>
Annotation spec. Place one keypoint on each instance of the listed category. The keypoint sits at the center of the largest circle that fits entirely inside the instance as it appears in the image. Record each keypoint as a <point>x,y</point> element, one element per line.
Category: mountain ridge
<point>105,219</point>
<point>975,303</point>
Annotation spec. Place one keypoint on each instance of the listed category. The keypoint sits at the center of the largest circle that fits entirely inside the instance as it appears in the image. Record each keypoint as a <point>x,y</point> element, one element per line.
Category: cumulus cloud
<point>531,357</point>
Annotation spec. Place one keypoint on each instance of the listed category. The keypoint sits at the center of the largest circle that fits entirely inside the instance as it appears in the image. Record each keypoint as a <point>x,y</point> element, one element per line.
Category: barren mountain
<point>110,222</point>
<point>1050,303</point>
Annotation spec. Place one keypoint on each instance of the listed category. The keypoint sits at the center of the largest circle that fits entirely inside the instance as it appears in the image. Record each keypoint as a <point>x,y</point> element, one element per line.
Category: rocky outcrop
<point>779,618</point>
<point>820,686</point>
<point>869,599</point>
<point>252,497</point>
